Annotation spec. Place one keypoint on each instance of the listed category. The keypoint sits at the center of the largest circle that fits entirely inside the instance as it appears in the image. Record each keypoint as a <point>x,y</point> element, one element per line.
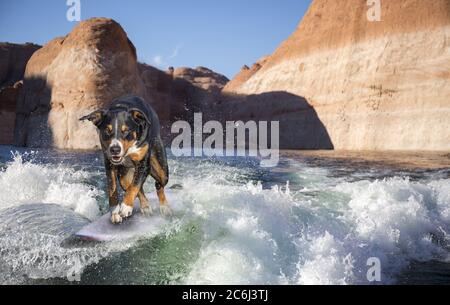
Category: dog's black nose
<point>115,149</point>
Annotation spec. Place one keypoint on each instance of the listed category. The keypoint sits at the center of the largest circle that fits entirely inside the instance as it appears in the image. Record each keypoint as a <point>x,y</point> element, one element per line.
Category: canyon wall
<point>70,76</point>
<point>339,81</point>
<point>86,70</point>
<point>374,85</point>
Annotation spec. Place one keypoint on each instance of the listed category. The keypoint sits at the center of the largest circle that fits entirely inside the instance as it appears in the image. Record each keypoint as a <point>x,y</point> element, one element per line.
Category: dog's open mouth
<point>116,159</point>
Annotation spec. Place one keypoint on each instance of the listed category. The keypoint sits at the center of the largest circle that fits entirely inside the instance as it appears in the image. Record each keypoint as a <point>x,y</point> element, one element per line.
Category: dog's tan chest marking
<point>137,154</point>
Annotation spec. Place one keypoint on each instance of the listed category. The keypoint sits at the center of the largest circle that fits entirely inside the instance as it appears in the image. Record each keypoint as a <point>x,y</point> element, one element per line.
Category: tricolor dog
<point>129,133</point>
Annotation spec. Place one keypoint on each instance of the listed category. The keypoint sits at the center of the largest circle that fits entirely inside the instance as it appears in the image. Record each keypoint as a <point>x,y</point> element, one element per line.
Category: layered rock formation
<point>202,89</point>
<point>340,81</point>
<point>202,77</point>
<point>13,59</point>
<point>244,75</point>
<point>86,70</point>
<point>71,76</point>
<point>374,85</point>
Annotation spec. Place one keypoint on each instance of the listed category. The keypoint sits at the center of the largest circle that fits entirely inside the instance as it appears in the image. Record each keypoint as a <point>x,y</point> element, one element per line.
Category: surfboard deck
<point>135,226</point>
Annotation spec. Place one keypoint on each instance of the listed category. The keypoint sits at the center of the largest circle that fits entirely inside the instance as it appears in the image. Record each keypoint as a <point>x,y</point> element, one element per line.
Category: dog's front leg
<point>113,193</point>
<point>132,189</point>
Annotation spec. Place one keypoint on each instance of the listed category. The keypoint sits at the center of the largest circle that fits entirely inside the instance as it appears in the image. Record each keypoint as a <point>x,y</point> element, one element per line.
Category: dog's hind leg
<point>146,209</point>
<point>164,207</point>
<point>159,170</point>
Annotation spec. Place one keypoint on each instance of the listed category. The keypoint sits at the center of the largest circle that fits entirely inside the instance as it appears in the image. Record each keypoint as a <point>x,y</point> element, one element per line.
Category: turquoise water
<point>307,221</point>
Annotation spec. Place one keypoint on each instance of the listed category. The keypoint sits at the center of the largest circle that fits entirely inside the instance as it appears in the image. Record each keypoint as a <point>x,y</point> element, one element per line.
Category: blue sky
<point>221,35</point>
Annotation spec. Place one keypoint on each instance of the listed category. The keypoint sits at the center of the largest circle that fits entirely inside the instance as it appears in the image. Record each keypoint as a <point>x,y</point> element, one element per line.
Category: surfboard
<point>136,226</point>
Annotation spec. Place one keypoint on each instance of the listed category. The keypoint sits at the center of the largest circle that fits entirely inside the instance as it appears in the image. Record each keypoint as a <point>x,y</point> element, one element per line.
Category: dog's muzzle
<point>116,152</point>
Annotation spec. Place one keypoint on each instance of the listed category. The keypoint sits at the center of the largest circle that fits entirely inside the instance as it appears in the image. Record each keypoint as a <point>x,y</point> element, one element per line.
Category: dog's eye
<point>108,132</point>
<point>129,135</point>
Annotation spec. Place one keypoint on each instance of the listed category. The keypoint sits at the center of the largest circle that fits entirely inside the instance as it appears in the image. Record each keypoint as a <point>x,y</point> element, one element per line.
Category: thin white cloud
<point>164,62</point>
<point>175,51</point>
<point>158,61</point>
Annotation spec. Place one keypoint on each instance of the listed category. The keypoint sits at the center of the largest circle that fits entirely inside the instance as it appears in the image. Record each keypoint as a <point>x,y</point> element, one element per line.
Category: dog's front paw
<point>147,211</point>
<point>165,210</point>
<point>115,218</point>
<point>125,210</point>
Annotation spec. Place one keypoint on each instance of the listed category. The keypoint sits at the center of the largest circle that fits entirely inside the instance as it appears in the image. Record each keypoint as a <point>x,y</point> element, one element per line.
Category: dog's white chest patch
<point>133,150</point>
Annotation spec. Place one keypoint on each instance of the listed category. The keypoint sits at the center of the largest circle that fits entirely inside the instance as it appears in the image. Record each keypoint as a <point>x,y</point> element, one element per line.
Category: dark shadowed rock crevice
<point>32,109</point>
<point>300,126</point>
<point>13,60</point>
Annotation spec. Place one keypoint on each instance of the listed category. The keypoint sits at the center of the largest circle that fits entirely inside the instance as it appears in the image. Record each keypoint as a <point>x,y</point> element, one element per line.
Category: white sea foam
<point>242,225</point>
<point>26,182</point>
<point>33,255</point>
<point>317,229</point>
<point>395,220</point>
<point>36,255</point>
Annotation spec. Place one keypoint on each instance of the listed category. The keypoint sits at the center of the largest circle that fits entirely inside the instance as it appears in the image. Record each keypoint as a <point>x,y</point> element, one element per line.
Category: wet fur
<point>144,154</point>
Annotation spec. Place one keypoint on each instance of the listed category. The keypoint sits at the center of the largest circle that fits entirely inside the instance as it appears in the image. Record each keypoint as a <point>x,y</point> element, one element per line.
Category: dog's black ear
<point>95,117</point>
<point>139,117</point>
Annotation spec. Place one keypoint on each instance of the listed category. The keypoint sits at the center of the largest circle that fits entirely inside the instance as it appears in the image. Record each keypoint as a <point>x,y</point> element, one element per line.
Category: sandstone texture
<point>71,76</point>
<point>339,81</point>
<point>244,75</point>
<point>373,85</point>
<point>202,77</point>
<point>86,70</point>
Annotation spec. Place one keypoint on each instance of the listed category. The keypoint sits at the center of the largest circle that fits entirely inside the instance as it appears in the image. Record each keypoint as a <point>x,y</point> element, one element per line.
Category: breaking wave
<point>26,182</point>
<point>235,224</point>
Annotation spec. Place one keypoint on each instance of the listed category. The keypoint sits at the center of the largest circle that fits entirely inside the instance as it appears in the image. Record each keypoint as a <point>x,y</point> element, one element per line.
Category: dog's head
<point>121,131</point>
